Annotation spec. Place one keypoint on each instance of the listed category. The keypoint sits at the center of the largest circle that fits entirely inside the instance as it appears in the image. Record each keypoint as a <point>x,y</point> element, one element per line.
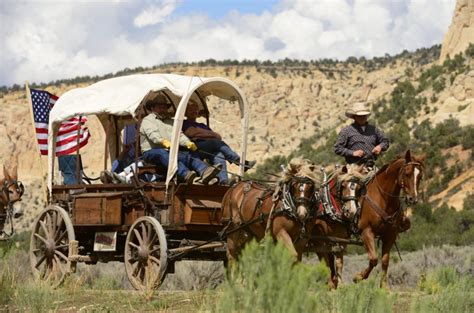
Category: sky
<point>45,40</point>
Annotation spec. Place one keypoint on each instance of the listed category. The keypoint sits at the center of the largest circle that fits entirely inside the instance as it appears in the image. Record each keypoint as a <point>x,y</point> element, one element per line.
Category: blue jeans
<point>186,161</point>
<point>218,152</point>
<point>214,146</point>
<point>220,159</point>
<point>67,166</point>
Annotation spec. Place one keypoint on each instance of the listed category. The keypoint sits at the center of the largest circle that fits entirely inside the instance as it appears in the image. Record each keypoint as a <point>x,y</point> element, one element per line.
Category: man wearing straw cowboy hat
<point>360,141</point>
<point>155,136</point>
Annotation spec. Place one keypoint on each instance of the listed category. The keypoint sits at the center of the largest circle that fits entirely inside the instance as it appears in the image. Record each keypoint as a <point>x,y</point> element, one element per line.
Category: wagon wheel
<point>49,245</point>
<point>146,254</point>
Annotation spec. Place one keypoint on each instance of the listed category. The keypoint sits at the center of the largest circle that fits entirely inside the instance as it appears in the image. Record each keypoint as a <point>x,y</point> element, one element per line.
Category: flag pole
<point>30,106</point>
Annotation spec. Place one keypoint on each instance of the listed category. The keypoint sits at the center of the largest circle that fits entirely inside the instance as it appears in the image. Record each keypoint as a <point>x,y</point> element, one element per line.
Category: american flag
<point>66,142</point>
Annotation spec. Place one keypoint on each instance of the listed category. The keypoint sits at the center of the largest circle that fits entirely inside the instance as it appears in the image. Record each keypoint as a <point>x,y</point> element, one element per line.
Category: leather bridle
<point>6,190</point>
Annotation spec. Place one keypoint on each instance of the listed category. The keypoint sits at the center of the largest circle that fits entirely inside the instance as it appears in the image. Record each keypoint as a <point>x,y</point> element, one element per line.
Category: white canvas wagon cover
<point>121,96</point>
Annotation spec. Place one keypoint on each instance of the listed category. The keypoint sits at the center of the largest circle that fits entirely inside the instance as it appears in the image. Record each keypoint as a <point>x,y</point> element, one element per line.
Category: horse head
<point>301,196</point>
<point>410,176</point>
<point>11,188</point>
<point>349,188</point>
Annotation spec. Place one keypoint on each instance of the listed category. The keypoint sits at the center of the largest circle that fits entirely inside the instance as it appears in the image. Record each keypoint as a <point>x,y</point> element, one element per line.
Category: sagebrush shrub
<point>266,279</point>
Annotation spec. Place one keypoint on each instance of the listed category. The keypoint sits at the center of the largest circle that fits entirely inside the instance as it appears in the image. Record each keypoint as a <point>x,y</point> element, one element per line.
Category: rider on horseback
<point>360,142</point>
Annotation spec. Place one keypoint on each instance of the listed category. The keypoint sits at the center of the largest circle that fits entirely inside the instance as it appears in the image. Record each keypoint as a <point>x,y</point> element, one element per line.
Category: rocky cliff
<point>461,31</point>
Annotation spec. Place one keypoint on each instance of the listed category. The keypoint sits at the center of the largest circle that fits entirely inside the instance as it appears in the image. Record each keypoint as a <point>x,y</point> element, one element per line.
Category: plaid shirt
<point>352,138</point>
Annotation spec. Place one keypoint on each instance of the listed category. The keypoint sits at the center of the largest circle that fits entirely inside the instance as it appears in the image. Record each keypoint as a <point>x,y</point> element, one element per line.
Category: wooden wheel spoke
<point>153,240</point>
<point>44,272</point>
<point>133,245</point>
<point>136,268</point>
<point>141,273</point>
<point>54,270</point>
<point>40,238</point>
<point>61,255</point>
<point>62,246</point>
<point>49,223</point>
<point>151,232</point>
<point>145,233</point>
<point>157,249</point>
<point>61,237</point>
<point>45,229</point>
<point>41,260</point>
<point>59,226</point>
<point>154,260</point>
<point>137,235</point>
<point>54,222</point>
<point>132,260</point>
<point>59,265</point>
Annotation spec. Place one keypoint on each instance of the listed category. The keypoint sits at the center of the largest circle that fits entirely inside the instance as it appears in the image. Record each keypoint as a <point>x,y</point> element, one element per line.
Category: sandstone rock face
<point>461,31</point>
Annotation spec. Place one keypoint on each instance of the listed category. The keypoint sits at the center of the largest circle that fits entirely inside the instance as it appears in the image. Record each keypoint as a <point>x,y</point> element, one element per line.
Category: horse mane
<point>298,167</point>
<point>352,172</point>
<point>387,165</point>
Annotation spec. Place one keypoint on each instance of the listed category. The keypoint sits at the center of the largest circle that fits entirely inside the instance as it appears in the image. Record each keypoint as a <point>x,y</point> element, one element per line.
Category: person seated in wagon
<point>155,135</point>
<point>209,143</point>
<point>360,142</point>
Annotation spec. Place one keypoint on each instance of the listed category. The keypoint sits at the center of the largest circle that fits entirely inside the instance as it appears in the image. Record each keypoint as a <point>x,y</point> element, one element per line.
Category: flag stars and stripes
<point>66,141</point>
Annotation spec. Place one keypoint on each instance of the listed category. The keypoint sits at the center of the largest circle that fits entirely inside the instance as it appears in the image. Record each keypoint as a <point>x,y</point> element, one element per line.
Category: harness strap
<point>263,195</point>
<point>275,199</point>
<point>385,217</point>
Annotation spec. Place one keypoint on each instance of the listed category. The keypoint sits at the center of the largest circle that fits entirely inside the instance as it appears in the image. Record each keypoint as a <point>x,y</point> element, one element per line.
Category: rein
<point>381,212</point>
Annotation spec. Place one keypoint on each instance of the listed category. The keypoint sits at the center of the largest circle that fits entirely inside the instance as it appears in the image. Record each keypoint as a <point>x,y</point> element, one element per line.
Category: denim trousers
<point>186,161</point>
<point>214,146</point>
<point>217,151</point>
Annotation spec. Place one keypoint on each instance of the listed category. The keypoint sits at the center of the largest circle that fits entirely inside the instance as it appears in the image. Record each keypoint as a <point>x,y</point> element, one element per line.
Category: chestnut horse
<point>335,219</point>
<point>249,205</point>
<point>381,210</point>
<point>10,192</point>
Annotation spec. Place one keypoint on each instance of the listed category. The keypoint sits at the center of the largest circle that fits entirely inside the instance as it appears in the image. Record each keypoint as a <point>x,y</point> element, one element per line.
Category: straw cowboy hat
<point>158,99</point>
<point>358,108</point>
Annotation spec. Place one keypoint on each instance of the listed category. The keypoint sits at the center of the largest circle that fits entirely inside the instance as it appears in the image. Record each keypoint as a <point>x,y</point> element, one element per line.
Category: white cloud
<point>43,41</point>
<point>155,14</point>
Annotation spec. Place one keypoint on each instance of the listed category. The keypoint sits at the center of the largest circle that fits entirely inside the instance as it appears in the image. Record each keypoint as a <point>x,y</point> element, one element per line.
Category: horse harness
<point>5,191</point>
<point>289,204</point>
<point>266,192</point>
<point>329,209</point>
<point>280,193</point>
<point>6,201</point>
